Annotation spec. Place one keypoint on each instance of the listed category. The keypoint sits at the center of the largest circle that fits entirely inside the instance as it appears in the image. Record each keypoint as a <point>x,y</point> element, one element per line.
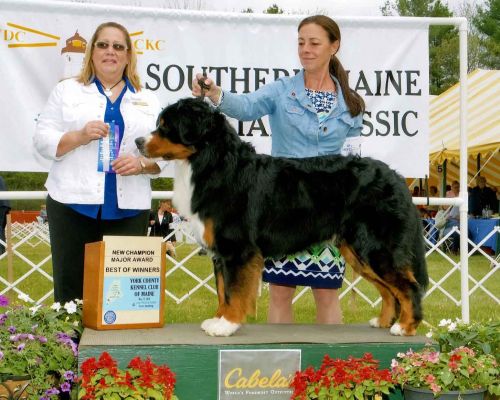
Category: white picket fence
<point>31,249</point>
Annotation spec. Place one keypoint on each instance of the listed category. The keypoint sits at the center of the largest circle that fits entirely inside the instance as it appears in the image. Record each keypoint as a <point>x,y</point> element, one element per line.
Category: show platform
<point>194,356</point>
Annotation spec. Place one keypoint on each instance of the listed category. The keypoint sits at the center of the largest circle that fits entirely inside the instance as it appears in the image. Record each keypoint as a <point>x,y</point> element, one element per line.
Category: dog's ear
<point>195,120</point>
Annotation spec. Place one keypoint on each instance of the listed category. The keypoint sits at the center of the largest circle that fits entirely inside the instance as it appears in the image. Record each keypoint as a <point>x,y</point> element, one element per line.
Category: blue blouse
<point>109,210</point>
<point>323,102</point>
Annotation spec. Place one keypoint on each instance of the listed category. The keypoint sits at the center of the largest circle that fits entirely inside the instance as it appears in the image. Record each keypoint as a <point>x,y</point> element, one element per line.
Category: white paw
<point>206,325</point>
<point>396,330</point>
<point>374,322</point>
<point>219,327</point>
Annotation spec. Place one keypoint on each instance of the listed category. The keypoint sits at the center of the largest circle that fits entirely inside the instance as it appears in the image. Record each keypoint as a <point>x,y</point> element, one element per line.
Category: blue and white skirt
<point>320,266</point>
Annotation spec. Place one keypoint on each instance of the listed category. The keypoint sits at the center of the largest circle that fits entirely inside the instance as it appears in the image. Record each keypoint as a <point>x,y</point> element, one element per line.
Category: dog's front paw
<point>397,330</point>
<point>219,327</point>
<point>374,322</point>
<point>206,325</point>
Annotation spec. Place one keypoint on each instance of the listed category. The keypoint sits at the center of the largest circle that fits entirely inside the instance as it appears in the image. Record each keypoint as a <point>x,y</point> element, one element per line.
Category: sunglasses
<point>105,45</point>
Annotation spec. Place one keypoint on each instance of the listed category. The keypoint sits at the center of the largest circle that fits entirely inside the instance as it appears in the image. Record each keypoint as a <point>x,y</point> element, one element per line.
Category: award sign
<point>124,282</point>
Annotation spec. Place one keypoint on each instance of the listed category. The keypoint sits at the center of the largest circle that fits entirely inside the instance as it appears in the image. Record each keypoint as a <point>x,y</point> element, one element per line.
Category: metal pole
<point>8,247</point>
<point>464,260</point>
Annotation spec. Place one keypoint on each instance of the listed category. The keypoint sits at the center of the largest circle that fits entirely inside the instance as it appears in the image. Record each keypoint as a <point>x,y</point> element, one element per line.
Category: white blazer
<point>73,178</point>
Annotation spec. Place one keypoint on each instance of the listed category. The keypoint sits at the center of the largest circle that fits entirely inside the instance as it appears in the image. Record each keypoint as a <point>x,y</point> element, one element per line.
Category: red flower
<point>139,376</point>
<point>337,375</point>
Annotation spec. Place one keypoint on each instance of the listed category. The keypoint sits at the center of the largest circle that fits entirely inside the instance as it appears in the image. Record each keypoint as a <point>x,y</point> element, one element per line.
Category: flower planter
<point>14,388</point>
<point>412,393</point>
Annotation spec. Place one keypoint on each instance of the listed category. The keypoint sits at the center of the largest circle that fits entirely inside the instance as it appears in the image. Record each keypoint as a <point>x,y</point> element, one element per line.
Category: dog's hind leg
<point>399,288</point>
<point>388,311</point>
<point>408,294</point>
<point>237,297</point>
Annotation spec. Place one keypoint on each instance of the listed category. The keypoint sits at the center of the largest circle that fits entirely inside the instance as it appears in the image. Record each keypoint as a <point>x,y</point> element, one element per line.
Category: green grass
<point>202,304</point>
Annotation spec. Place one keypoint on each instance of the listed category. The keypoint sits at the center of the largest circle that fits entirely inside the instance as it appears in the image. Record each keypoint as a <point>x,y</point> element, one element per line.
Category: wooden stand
<point>124,283</point>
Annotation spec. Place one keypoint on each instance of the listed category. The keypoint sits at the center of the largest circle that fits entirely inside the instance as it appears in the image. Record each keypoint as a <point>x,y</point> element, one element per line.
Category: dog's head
<point>183,128</point>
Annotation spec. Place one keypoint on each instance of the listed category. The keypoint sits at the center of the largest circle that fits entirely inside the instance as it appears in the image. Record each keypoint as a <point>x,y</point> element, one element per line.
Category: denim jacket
<point>296,130</point>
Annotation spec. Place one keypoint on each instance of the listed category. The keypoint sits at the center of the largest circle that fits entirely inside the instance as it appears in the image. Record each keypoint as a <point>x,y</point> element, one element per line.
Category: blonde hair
<point>87,74</point>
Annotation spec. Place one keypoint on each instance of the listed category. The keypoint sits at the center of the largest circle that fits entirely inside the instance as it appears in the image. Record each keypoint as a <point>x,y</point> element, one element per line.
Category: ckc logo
<point>143,44</point>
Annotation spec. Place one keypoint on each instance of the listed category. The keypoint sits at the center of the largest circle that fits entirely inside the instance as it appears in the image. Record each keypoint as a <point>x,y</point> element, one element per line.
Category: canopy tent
<point>483,129</point>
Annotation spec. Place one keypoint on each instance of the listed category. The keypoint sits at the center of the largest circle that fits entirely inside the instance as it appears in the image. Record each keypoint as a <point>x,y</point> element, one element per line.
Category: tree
<point>274,9</point>
<point>487,23</point>
<point>443,62</point>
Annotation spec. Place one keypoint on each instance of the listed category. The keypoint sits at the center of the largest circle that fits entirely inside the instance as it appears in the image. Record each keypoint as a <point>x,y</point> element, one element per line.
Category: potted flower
<point>142,380</point>
<point>482,337</point>
<point>38,345</point>
<point>461,373</point>
<point>354,378</point>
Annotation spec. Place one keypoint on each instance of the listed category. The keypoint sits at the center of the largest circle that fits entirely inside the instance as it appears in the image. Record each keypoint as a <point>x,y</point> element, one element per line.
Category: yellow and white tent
<point>483,129</point>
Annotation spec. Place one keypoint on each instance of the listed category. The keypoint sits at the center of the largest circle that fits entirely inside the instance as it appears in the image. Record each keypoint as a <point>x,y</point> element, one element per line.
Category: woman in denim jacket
<point>310,114</point>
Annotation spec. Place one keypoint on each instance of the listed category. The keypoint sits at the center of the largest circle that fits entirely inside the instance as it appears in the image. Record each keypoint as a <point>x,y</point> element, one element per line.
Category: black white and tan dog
<point>247,206</point>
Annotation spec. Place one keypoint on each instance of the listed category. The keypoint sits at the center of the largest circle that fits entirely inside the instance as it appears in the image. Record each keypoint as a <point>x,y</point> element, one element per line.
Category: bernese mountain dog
<point>245,207</point>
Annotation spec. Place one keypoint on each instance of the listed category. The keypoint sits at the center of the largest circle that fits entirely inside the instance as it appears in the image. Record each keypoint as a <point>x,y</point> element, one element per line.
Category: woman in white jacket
<point>98,183</point>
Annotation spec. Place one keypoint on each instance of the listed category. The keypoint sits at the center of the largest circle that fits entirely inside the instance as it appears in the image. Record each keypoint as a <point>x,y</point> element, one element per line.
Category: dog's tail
<point>419,262</point>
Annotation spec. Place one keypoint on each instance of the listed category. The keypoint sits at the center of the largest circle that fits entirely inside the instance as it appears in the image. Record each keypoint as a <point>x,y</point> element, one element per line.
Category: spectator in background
<point>4,210</point>
<point>160,220</point>
<point>161,225</point>
<point>453,219</point>
<point>482,197</point>
<point>454,189</point>
<point>43,213</point>
<point>431,210</point>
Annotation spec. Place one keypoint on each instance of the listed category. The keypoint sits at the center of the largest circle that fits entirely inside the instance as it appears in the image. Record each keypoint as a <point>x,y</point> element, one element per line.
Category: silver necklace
<point>108,92</point>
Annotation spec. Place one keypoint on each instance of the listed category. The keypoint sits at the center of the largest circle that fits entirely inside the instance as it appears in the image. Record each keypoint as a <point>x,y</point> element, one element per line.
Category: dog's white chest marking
<point>183,192</point>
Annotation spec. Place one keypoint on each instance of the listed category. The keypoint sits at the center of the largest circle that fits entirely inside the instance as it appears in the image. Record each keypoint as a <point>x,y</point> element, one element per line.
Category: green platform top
<point>250,334</point>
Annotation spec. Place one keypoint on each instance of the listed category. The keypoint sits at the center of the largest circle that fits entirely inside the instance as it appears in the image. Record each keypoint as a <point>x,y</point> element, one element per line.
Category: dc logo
<point>109,317</point>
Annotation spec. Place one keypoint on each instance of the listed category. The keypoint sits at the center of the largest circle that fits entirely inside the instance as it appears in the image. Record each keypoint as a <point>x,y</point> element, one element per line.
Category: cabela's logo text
<point>235,379</point>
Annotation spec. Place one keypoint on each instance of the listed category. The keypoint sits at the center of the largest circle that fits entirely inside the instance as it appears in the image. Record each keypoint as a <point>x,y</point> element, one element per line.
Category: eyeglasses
<point>105,45</point>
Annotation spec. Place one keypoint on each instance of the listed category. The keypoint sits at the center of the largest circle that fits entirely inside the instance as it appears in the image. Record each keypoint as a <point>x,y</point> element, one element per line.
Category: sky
<point>330,7</point>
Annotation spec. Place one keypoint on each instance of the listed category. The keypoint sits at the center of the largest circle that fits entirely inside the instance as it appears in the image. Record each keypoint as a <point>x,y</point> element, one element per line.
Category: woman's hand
<point>213,92</point>
<point>127,164</point>
<point>93,130</point>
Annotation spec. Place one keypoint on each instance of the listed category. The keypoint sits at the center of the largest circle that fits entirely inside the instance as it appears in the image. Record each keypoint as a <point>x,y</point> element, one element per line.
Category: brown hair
<point>87,74</point>
<point>353,100</point>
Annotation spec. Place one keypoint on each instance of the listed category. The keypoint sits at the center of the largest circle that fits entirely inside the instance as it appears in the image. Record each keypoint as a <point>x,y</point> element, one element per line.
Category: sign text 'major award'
<point>124,283</point>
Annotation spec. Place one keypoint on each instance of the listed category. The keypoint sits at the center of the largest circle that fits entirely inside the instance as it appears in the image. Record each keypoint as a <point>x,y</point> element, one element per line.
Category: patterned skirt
<point>320,266</point>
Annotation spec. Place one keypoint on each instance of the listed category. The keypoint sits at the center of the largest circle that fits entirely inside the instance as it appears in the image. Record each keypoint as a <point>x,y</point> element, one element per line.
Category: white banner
<point>387,58</point>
